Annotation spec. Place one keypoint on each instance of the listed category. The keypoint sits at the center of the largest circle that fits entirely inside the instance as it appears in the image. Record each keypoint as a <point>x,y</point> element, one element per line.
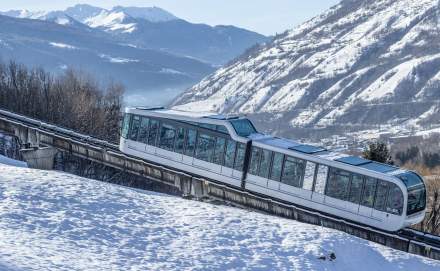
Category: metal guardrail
<point>106,153</point>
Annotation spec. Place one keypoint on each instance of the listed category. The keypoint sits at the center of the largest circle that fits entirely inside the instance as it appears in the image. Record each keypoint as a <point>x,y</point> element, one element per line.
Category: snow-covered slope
<point>112,21</point>
<point>363,62</point>
<point>152,14</point>
<point>58,17</point>
<point>56,221</point>
<point>11,162</point>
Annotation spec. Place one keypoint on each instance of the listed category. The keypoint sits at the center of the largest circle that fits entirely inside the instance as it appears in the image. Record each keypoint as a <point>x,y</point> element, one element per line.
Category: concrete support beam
<point>40,158</point>
<point>198,189</point>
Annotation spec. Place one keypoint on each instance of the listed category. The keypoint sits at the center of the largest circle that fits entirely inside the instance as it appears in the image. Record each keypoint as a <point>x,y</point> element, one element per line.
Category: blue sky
<point>264,16</point>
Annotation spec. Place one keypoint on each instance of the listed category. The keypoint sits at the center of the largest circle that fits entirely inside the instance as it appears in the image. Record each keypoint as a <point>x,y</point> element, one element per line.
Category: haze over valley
<point>153,53</point>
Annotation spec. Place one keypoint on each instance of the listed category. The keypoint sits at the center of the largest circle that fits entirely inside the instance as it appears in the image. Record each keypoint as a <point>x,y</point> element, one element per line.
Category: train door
<point>190,146</point>
<point>318,194</point>
<point>179,146</point>
<point>367,199</point>
<point>355,193</point>
<point>227,168</point>
<point>152,136</point>
<point>380,201</point>
<point>237,171</point>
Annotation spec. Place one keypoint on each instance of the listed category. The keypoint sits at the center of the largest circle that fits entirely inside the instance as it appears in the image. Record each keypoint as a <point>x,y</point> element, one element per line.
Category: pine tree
<point>379,152</point>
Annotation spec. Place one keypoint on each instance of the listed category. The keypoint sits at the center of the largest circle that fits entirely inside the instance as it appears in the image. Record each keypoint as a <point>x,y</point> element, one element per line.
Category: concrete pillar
<point>40,158</point>
<point>33,138</point>
<point>197,188</point>
<point>22,134</point>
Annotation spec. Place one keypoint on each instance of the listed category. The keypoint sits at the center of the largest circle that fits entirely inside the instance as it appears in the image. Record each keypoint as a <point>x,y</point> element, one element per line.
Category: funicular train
<point>230,150</point>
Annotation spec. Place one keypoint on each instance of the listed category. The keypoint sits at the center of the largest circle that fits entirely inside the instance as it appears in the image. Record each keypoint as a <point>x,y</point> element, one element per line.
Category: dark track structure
<point>36,133</point>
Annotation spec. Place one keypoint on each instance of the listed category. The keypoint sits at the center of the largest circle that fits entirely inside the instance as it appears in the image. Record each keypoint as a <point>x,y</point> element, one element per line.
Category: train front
<point>416,198</point>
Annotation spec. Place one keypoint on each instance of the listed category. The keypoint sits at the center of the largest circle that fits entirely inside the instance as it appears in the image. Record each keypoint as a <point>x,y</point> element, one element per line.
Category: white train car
<point>230,150</point>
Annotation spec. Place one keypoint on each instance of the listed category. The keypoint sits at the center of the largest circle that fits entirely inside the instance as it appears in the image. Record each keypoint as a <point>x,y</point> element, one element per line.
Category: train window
<point>416,200</point>
<point>135,123</point>
<point>205,147</point>
<point>180,140</point>
<point>277,165</point>
<point>255,161</point>
<point>230,153</point>
<point>154,127</point>
<point>126,125</point>
<point>369,192</point>
<point>239,157</point>
<point>337,185</point>
<point>143,130</point>
<point>416,192</point>
<point>207,126</point>
<point>395,200</point>
<point>222,129</point>
<point>264,163</point>
<point>381,196</point>
<point>243,127</point>
<point>167,136</point>
<point>219,151</point>
<point>321,179</point>
<point>357,181</point>
<point>309,176</point>
<point>410,179</point>
<point>293,171</point>
<point>190,142</point>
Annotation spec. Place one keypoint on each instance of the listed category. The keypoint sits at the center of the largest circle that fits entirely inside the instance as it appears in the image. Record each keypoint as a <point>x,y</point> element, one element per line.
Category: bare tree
<point>73,99</point>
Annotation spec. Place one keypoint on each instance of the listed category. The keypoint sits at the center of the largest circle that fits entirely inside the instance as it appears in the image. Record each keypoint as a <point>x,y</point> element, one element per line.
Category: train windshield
<point>416,192</point>
<point>243,127</point>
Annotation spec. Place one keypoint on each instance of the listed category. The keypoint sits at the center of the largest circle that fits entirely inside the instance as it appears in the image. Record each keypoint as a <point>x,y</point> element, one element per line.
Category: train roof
<point>188,114</point>
<point>284,144</point>
<point>323,153</point>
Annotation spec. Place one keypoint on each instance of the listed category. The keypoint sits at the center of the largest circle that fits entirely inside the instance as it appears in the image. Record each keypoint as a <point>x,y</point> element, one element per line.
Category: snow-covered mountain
<point>155,28</point>
<point>40,43</point>
<point>361,63</point>
<point>152,51</point>
<point>57,221</point>
<point>151,14</point>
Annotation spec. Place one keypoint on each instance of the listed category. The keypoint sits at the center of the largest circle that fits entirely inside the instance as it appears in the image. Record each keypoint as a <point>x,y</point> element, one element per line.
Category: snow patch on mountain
<point>111,21</point>
<point>170,71</point>
<point>24,13</point>
<point>152,14</point>
<point>62,45</point>
<point>119,60</point>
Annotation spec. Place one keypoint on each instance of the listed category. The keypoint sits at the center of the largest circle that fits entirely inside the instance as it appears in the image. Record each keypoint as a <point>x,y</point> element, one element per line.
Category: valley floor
<point>57,221</point>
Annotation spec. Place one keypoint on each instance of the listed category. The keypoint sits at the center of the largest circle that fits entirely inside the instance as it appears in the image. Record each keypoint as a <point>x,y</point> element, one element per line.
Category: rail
<point>84,146</point>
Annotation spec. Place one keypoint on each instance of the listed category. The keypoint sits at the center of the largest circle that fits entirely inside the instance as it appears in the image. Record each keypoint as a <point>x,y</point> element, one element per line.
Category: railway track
<point>412,236</point>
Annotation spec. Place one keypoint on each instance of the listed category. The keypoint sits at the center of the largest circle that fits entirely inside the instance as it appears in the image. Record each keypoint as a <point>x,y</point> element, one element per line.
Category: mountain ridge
<point>355,64</point>
<point>155,28</point>
<point>56,47</point>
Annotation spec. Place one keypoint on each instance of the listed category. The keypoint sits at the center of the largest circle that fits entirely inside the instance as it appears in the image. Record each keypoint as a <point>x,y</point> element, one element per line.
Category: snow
<point>62,45</point>
<point>355,54</point>
<point>11,162</point>
<point>112,21</point>
<point>31,14</point>
<point>387,83</point>
<point>428,132</point>
<point>171,71</point>
<point>56,221</point>
<point>152,14</point>
<point>62,21</point>
<point>118,60</point>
